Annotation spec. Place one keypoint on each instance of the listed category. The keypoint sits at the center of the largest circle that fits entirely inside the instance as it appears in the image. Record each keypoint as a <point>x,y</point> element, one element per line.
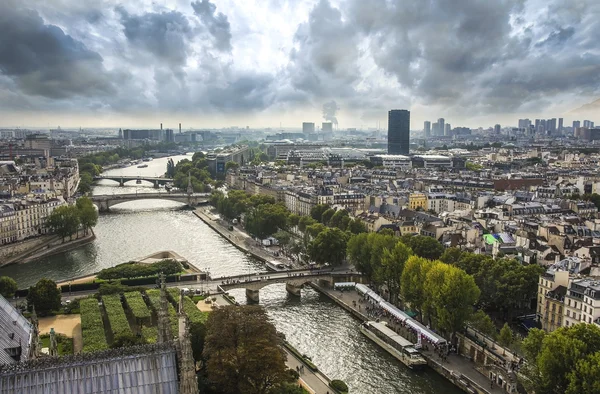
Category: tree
<point>197,156</point>
<point>242,351</point>
<point>316,212</point>
<point>505,337</point>
<point>88,215</point>
<point>45,296</point>
<point>356,226</point>
<point>127,340</point>
<point>482,322</point>
<point>327,215</point>
<point>8,286</point>
<point>412,281</point>
<point>392,265</point>
<point>64,220</point>
<point>422,246</point>
<point>336,219</point>
<point>562,361</point>
<point>365,251</point>
<point>283,238</point>
<point>85,182</point>
<point>457,297</point>
<point>329,247</point>
<point>265,220</point>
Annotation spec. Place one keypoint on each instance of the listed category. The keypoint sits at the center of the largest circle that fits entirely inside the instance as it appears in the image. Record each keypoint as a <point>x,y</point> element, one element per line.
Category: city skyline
<point>219,64</point>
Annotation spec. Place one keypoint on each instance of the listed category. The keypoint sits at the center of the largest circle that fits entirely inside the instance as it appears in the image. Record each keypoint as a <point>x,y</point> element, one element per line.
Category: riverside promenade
<point>458,369</point>
<point>238,238</point>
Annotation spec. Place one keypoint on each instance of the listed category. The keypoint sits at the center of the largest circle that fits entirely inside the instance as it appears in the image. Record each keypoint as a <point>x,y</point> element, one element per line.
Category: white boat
<point>394,344</point>
<point>275,266</point>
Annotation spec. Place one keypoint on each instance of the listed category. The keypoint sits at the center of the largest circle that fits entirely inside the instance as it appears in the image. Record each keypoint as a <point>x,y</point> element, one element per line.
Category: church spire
<point>164,324</point>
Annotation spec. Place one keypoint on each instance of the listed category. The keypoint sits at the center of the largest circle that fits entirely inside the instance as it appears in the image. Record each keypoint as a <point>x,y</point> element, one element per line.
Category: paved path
<point>454,362</point>
<point>315,382</point>
<point>69,325</point>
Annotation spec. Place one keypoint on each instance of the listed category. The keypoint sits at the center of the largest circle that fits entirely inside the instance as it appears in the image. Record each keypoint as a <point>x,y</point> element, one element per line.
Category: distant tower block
<point>179,128</point>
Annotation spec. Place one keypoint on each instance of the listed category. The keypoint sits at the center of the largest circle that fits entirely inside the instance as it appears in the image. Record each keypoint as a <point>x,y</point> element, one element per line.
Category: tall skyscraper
<point>551,126</point>
<point>427,128</point>
<point>524,124</point>
<point>398,132</point>
<point>497,129</point>
<point>435,129</point>
<point>560,125</point>
<point>576,125</point>
<point>441,126</point>
<point>308,127</point>
<point>587,124</point>
<point>327,127</point>
<point>447,129</point>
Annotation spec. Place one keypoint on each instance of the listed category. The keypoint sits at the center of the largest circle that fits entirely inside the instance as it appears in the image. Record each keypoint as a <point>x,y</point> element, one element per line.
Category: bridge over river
<point>104,202</point>
<point>123,179</point>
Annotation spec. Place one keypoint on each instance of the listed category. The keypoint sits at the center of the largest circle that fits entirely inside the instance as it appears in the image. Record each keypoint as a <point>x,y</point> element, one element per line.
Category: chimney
<point>179,128</point>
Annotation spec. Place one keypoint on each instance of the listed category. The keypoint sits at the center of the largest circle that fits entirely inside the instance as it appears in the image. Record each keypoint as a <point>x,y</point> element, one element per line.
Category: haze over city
<point>270,63</point>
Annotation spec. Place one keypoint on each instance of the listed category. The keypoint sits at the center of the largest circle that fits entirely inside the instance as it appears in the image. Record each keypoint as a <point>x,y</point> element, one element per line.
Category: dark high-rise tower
<point>398,131</point>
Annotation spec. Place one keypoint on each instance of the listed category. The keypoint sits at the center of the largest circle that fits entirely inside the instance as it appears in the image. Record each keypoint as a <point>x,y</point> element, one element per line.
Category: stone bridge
<point>122,179</point>
<point>294,281</point>
<point>104,202</point>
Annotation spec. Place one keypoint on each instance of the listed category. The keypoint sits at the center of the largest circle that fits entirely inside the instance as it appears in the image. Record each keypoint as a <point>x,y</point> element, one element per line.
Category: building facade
<point>398,132</point>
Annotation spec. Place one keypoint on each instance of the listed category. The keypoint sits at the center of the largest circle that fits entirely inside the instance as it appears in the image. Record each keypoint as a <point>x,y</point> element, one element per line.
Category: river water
<point>312,323</point>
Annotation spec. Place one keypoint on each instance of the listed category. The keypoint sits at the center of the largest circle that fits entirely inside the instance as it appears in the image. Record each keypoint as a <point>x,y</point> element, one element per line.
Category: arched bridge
<point>122,179</point>
<point>294,280</point>
<point>104,202</point>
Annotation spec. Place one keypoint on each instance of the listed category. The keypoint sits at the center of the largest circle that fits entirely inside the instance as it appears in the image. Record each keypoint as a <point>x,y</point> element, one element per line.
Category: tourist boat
<point>394,344</point>
<point>142,166</point>
<point>147,159</point>
<point>275,266</point>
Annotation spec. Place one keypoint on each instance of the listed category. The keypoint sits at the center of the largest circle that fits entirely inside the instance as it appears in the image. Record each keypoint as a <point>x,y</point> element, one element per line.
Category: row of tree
<point>195,170</point>
<point>67,219</point>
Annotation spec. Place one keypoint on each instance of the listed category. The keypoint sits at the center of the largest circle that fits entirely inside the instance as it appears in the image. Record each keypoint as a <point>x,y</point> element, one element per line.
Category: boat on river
<point>142,166</point>
<point>394,344</point>
<point>275,265</point>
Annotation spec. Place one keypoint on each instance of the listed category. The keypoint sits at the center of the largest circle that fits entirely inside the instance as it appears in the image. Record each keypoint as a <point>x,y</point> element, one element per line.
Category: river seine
<point>313,324</point>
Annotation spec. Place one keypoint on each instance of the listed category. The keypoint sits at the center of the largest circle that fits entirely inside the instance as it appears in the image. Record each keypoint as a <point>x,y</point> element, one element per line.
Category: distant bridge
<point>104,202</point>
<point>121,179</point>
<point>294,280</point>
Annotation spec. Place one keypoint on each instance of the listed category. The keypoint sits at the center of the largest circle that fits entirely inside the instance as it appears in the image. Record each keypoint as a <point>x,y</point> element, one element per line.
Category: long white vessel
<point>394,344</point>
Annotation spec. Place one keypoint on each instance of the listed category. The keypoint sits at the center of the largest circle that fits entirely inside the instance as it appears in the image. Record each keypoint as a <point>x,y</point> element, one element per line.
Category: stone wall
<point>9,251</point>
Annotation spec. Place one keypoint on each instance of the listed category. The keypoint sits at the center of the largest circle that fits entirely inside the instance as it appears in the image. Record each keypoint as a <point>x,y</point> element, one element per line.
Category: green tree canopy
<point>392,265</point>
<point>8,286</point>
<point>45,296</point>
<point>88,215</point>
<point>329,247</point>
<point>413,280</point>
<point>505,337</point>
<point>336,219</point>
<point>64,220</point>
<point>356,226</point>
<point>422,246</point>
<point>243,352</point>
<point>266,219</point>
<point>563,361</point>
<point>483,323</point>
<point>327,215</point>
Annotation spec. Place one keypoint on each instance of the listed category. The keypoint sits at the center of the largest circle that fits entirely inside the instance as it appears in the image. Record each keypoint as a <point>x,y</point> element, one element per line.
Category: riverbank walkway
<point>459,365</point>
<point>239,238</point>
<point>311,381</point>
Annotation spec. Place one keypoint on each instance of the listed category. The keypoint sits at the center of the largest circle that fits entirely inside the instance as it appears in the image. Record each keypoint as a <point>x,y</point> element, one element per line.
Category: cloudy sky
<point>220,63</point>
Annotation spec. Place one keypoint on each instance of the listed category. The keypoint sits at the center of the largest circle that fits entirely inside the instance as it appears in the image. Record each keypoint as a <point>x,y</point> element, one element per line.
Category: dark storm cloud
<point>164,34</point>
<point>45,61</point>
<point>216,23</point>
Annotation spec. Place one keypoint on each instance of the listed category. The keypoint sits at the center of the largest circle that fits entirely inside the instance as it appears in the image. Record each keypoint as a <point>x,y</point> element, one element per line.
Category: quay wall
<point>9,252</point>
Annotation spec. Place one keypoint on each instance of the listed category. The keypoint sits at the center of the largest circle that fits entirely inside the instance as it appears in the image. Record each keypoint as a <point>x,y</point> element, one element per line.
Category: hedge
<point>148,280</point>
<point>150,334</point>
<point>154,297</point>
<point>136,304</point>
<point>116,315</point>
<point>135,270</point>
<point>80,287</point>
<point>92,328</point>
